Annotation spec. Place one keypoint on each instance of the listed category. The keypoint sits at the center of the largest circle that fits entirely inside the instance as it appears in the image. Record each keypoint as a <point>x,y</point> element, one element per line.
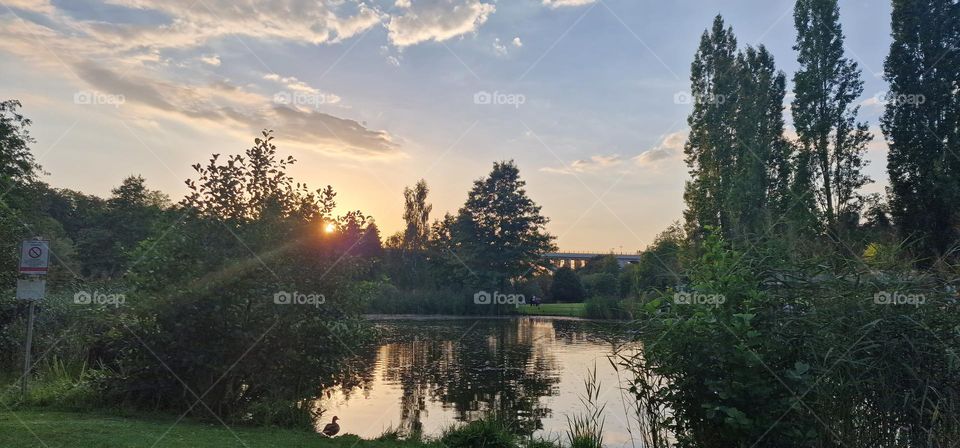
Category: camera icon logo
<point>482,298</point>
<point>83,97</point>
<point>682,298</point>
<point>883,298</point>
<point>82,298</point>
<point>282,98</point>
<point>482,97</point>
<point>282,298</point>
<point>682,98</point>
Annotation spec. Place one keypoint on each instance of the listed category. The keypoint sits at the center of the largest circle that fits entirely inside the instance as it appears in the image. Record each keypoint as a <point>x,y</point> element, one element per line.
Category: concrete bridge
<point>579,259</point>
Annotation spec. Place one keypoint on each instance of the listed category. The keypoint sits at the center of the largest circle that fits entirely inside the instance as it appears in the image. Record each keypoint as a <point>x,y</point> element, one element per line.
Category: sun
<point>329,228</point>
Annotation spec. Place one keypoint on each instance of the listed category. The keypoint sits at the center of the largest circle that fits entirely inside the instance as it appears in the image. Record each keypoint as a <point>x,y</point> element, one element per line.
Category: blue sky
<point>370,96</point>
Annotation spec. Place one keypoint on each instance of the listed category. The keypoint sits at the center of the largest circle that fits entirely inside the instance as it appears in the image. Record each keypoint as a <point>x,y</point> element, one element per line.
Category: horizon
<point>369,97</point>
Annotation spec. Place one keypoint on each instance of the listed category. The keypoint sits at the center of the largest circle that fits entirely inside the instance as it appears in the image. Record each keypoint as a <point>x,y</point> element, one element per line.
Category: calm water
<point>431,373</point>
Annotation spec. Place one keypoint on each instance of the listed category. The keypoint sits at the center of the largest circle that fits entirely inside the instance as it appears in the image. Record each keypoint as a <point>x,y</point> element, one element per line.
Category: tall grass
<point>585,430</point>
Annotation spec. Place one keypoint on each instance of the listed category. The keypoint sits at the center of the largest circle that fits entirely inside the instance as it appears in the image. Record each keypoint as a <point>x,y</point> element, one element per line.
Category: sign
<point>31,289</point>
<point>34,257</point>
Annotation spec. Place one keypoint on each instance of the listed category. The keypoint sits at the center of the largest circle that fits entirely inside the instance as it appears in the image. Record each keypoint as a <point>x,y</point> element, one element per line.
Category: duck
<point>332,428</point>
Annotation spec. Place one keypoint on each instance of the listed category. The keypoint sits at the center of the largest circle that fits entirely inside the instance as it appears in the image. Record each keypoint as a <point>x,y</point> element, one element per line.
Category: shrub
<point>487,433</point>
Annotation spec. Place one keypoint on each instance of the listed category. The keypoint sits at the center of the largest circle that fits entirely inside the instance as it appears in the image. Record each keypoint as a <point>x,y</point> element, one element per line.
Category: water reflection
<point>429,374</point>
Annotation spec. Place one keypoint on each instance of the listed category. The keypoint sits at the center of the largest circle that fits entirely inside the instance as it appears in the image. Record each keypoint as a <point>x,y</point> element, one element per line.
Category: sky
<point>588,97</point>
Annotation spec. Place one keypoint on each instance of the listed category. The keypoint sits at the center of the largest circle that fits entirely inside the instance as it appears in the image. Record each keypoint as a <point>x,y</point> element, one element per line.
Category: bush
<point>807,363</point>
<point>566,286</point>
<point>600,285</point>
<point>487,433</point>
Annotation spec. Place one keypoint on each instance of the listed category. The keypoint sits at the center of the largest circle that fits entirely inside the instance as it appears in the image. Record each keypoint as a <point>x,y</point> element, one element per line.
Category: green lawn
<point>554,309</point>
<point>37,429</point>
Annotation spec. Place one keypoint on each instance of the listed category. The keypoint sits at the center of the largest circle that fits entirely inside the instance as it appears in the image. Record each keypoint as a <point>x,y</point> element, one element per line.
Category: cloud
<point>499,47</point>
<point>437,20</point>
<point>194,23</point>
<point>593,164</point>
<point>242,112</point>
<point>296,86</point>
<point>516,42</point>
<point>562,3</point>
<point>670,147</point>
<point>212,59</point>
<point>158,86</point>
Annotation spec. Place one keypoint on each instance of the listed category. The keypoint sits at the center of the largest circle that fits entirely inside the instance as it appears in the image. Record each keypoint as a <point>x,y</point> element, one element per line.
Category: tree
<point>416,214</point>
<point>709,148</point>
<point>18,179</point>
<point>566,286</point>
<point>922,121</point>
<point>499,232</point>
<point>737,154</point>
<point>759,192</point>
<point>831,142</point>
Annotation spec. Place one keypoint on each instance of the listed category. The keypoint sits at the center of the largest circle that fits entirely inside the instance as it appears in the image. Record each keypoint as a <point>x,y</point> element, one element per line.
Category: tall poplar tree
<point>709,148</point>
<point>831,142</point>
<point>759,194</point>
<point>922,121</point>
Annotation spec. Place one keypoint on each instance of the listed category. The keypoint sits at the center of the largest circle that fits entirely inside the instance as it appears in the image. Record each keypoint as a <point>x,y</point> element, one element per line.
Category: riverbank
<point>555,309</point>
<point>29,429</point>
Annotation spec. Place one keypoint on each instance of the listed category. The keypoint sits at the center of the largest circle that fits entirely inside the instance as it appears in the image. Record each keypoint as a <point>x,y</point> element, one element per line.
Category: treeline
<point>792,309</point>
<point>754,184</point>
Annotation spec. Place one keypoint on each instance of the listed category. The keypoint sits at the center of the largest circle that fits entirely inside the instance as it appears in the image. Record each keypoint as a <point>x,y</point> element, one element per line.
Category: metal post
<point>26,356</point>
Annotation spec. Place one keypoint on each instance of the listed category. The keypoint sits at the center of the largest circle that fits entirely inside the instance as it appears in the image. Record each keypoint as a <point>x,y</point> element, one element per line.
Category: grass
<point>24,429</point>
<point>554,309</point>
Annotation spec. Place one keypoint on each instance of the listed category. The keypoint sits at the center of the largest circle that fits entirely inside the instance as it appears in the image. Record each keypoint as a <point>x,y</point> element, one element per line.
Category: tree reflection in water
<point>471,368</point>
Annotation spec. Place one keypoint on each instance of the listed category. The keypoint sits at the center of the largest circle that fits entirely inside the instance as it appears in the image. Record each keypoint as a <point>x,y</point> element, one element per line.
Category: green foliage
<point>920,122</point>
<point>738,156</point>
<point>485,433</point>
<point>601,264</point>
<point>600,285</point>
<point>566,286</point>
<point>585,430</point>
<point>831,142</point>
<point>799,363</point>
<point>499,235</point>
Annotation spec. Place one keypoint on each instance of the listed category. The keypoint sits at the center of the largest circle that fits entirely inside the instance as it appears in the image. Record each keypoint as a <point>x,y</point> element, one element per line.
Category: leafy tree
<point>831,142</point>
<point>208,293</point>
<point>416,215</point>
<point>566,286</point>
<point>499,232</point>
<point>736,152</point>
<point>760,177</point>
<point>607,264</point>
<point>921,121</point>
<point>709,148</point>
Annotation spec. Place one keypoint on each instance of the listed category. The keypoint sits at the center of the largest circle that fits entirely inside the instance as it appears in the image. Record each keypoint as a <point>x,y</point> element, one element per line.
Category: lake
<point>429,373</point>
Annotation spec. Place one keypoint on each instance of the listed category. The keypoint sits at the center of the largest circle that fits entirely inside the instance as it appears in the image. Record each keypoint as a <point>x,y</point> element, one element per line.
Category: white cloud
<point>670,147</point>
<point>499,47</point>
<point>211,59</point>
<point>562,3</point>
<point>593,164</point>
<point>437,20</point>
<point>516,42</point>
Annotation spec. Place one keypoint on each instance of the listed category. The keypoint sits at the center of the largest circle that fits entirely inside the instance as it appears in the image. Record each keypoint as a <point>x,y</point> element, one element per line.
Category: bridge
<point>579,259</point>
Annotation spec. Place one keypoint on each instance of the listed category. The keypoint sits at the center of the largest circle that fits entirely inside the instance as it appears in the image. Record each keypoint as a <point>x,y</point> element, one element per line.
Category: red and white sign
<point>34,257</point>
